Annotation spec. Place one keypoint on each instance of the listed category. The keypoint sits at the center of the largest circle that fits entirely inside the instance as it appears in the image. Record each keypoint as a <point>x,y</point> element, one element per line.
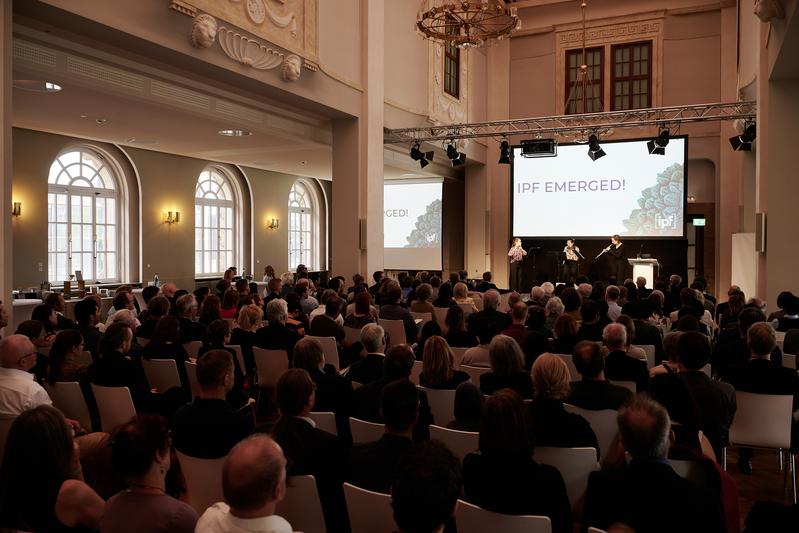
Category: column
<point>6,88</point>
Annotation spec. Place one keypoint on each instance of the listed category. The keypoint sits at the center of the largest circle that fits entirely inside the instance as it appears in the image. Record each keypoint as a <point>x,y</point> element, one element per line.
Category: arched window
<point>303,226</point>
<point>83,217</point>
<point>214,223</point>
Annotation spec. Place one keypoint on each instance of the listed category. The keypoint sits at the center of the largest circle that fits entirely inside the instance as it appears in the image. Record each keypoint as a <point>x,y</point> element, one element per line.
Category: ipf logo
<point>666,222</point>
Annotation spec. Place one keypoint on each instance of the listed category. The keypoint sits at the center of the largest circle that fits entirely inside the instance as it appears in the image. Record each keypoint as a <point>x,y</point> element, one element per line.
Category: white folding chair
<point>694,471</point>
<point>472,519</point>
<point>395,330</point>
<point>602,422</point>
<point>629,385</point>
<point>574,465</point>
<point>370,512</point>
<point>474,372</point>
<point>203,480</point>
<point>416,371</point>
<point>191,372</point>
<point>649,349</point>
<point>324,420</point>
<point>424,317</point>
<point>478,300</point>
<point>351,335</point>
<point>301,506</point>
<point>503,302</point>
<point>239,357</point>
<point>441,317</point>
<point>460,443</point>
<point>457,355</point>
<point>363,431</point>
<point>330,349</point>
<point>789,360</point>
<point>137,293</point>
<point>569,360</point>
<point>115,406</point>
<point>708,370</point>
<point>442,404</point>
<point>468,309</point>
<point>162,374</point>
<point>193,348</point>
<point>68,398</point>
<point>764,421</point>
<point>269,365</point>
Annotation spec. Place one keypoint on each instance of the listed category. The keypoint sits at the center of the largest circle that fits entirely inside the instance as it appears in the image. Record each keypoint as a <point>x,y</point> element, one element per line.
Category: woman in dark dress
<point>565,332</point>
<point>438,364</point>
<point>457,336</point>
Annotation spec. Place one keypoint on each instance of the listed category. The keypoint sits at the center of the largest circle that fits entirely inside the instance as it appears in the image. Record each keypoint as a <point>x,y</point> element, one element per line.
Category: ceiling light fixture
<point>467,24</point>
<point>743,142</point>
<point>235,133</point>
<point>38,86</point>
<point>594,150</point>
<point>423,158</point>
<point>457,158</point>
<point>657,146</point>
<point>505,153</point>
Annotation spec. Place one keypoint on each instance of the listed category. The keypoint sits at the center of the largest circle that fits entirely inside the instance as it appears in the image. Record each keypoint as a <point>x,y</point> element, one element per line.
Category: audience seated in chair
<point>490,321</point>
<point>329,323</point>
<point>618,365</point>
<point>190,329</point>
<point>671,364</point>
<point>731,352</point>
<point>276,335</point>
<point>218,338</point>
<point>158,308</point>
<point>468,408</point>
<point>392,309</point>
<point>87,314</point>
<point>507,368</point>
<point>63,362</point>
<point>253,483</point>
<point>438,364</point>
<point>457,334</point>
<point>370,367</point>
<point>593,391</point>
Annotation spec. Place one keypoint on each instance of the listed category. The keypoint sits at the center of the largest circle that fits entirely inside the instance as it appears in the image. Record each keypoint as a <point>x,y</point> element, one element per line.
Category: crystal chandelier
<point>466,24</point>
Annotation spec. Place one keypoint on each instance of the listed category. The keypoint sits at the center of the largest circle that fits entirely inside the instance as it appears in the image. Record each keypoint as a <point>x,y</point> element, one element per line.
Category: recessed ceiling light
<point>142,142</point>
<point>101,121</point>
<point>39,86</point>
<point>235,133</point>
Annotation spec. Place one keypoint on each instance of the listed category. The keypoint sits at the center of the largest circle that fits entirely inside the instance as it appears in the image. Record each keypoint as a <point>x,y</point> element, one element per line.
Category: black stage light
<point>594,150</point>
<point>505,154</point>
<point>657,146</point>
<point>743,142</point>
<point>457,158</point>
<point>423,158</point>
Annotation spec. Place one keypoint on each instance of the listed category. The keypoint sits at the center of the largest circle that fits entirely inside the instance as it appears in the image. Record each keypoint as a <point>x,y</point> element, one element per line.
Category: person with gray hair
<point>253,483</point>
<point>370,367</point>
<point>488,322</point>
<point>537,295</point>
<point>618,365</point>
<point>507,368</point>
<point>553,309</point>
<point>633,494</point>
<point>276,335</point>
<point>190,329</point>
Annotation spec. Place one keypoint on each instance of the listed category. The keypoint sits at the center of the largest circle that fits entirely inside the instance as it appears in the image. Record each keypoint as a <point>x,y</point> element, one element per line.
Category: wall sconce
<point>16,209</point>
<point>273,223</point>
<point>172,217</point>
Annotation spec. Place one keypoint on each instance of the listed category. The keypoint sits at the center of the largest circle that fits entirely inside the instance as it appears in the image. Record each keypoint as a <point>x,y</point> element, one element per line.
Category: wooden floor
<point>765,483</point>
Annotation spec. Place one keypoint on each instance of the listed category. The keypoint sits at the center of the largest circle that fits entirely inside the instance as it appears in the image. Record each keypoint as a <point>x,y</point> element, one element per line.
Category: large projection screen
<point>412,224</point>
<point>628,191</point>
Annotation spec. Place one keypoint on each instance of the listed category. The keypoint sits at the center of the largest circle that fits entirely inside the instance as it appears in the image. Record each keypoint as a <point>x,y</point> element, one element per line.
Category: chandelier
<point>466,24</point>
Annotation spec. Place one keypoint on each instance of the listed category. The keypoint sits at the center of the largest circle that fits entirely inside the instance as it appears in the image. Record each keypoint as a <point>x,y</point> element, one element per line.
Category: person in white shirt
<point>612,294</point>
<point>253,483</point>
<point>18,390</point>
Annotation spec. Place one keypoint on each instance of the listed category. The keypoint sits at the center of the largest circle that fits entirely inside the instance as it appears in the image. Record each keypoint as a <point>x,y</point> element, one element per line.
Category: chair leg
<point>724,458</point>
<point>792,461</point>
<point>780,460</point>
<point>784,471</point>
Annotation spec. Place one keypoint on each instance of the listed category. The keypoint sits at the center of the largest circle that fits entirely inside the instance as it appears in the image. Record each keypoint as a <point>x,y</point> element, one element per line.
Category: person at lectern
<point>571,266</point>
<point>616,251</point>
<point>516,254</point>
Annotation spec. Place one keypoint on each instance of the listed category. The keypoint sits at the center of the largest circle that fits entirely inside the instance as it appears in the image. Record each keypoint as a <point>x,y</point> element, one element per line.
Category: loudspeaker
<point>760,232</point>
<point>362,233</point>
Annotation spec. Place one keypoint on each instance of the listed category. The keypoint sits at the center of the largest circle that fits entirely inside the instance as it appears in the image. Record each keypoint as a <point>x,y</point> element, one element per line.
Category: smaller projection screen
<point>412,225</point>
<point>628,191</point>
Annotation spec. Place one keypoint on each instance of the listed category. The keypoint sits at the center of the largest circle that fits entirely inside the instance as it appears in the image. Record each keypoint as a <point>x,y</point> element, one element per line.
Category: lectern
<point>646,268</point>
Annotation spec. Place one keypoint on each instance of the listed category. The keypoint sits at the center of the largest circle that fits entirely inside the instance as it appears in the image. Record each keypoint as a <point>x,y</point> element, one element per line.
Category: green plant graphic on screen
<point>427,231</point>
<point>661,205</point>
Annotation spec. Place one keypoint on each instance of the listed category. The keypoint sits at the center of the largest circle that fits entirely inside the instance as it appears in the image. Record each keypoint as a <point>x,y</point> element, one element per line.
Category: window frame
<point>217,205</point>
<point>601,82</point>
<point>631,78</point>
<point>451,56</point>
<point>313,213</point>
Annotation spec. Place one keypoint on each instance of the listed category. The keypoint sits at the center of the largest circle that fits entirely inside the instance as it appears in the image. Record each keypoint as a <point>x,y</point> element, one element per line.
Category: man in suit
<point>377,276</point>
<point>643,292</point>
<point>732,350</point>
<point>190,329</point>
<point>56,301</point>
<point>275,335</point>
<point>645,332</point>
<point>486,284</point>
<point>157,308</point>
<point>369,368</point>
<point>274,287</point>
<point>326,325</point>
<point>591,326</point>
<point>618,365</point>
<point>594,392</point>
<point>760,376</point>
<point>310,450</point>
<point>87,313</point>
<point>489,322</point>
<point>634,494</point>
<point>372,465</point>
<point>209,427</point>
<point>392,309</point>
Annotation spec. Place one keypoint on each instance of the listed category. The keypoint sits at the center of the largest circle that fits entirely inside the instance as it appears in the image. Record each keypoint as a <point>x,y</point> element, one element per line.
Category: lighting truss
<point>576,125</point>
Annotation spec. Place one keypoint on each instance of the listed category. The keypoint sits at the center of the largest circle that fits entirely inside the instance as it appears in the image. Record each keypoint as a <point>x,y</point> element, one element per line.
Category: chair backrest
<point>115,406</point>
<point>478,301</point>
<point>649,349</point>
<point>474,372</point>
<point>330,349</point>
<point>457,355</point>
<point>596,530</point>
<point>191,372</point>
<point>424,317</point>
<point>203,480</point>
<point>269,365</point>
<point>762,420</point>
<point>301,506</point>
<point>467,308</point>
<point>351,335</point>
<point>442,404</point>
<point>574,465</point>
<point>68,398</point>
<point>696,472</point>
<point>325,420</point>
<point>363,431</point>
<point>5,427</point>
<point>137,293</point>
<point>370,512</point>
<point>791,342</point>
<point>459,443</point>
<point>239,357</point>
<point>708,370</point>
<point>503,302</point>
<point>395,330</point>
<point>193,348</point>
<point>441,316</point>
<point>789,360</point>
<point>602,422</point>
<point>629,385</point>
<point>569,360</point>
<point>472,519</point>
<point>84,358</point>
<point>162,374</point>
<point>416,371</point>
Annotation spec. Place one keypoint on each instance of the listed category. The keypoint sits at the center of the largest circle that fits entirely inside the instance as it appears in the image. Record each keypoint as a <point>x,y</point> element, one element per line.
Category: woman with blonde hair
<point>460,293</point>
<point>438,364</point>
<point>553,425</point>
<point>243,334</point>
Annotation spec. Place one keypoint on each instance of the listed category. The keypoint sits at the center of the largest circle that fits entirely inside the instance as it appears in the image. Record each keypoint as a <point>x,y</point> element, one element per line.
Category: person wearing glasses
<point>18,390</point>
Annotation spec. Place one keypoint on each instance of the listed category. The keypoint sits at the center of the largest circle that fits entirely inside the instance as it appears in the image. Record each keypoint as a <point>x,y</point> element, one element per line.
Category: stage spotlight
<point>594,150</point>
<point>657,146</point>
<point>743,142</point>
<point>423,158</point>
<point>457,158</point>
<point>505,154</point>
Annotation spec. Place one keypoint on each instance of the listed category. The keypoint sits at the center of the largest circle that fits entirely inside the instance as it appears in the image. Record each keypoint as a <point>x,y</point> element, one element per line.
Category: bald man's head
<point>254,476</point>
<point>17,351</point>
<point>169,289</point>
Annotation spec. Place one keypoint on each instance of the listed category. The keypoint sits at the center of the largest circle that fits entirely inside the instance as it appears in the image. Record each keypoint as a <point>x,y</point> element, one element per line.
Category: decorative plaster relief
<point>443,108</point>
<point>292,68</point>
<point>608,33</point>
<point>248,51</point>
<point>203,31</point>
